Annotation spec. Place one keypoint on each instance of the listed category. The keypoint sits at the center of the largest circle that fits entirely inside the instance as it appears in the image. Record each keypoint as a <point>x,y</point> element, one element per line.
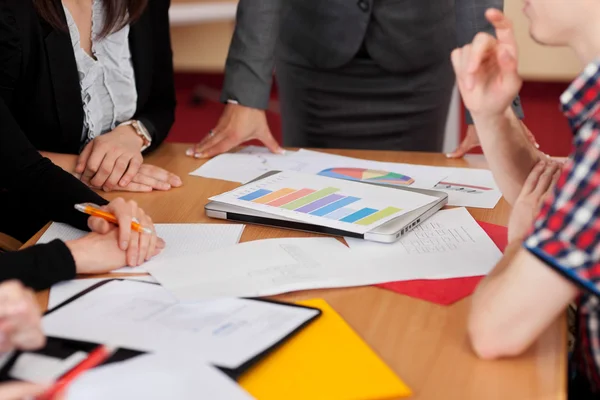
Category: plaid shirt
<point>566,234</point>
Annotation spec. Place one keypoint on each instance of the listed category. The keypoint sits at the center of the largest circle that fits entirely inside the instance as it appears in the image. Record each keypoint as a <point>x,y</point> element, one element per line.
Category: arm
<point>158,114</point>
<point>40,266</point>
<point>510,155</point>
<point>250,62</point>
<point>470,20</point>
<point>48,188</point>
<point>531,286</point>
<point>512,307</point>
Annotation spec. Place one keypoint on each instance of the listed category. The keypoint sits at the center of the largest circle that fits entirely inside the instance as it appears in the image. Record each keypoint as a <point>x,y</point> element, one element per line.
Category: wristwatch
<point>141,131</point>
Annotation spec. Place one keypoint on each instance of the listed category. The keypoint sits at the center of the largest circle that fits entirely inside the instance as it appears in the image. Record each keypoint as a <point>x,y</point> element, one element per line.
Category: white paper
<point>371,197</point>
<point>252,162</point>
<point>450,244</point>
<point>156,377</point>
<point>259,268</point>
<point>142,316</point>
<point>39,368</point>
<point>181,239</point>
<point>65,290</point>
<point>468,187</point>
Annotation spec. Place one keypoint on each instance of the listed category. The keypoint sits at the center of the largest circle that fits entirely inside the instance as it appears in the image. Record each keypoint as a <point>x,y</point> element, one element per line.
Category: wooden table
<point>426,344</point>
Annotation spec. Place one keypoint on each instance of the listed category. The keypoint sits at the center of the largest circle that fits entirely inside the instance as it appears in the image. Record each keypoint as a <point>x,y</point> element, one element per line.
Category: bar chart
<point>327,202</point>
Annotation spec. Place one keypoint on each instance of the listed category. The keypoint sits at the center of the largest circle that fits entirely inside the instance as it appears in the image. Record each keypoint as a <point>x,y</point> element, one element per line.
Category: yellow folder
<point>326,360</point>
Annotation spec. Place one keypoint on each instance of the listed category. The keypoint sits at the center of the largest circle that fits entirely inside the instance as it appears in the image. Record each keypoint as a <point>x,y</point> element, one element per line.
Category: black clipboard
<point>62,348</point>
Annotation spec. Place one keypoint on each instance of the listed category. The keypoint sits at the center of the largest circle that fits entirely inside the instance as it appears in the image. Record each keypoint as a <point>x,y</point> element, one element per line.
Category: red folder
<point>448,291</point>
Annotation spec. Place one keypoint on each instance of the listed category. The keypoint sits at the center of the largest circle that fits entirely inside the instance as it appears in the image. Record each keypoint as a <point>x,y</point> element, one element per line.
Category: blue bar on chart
<point>365,212</point>
<point>315,205</point>
<point>255,195</point>
<point>341,213</point>
<point>335,206</point>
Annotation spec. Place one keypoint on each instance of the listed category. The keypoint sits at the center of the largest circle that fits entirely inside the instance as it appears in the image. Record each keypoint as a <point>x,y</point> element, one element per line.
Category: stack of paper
<point>180,239</point>
<point>466,187</point>
<point>448,245</point>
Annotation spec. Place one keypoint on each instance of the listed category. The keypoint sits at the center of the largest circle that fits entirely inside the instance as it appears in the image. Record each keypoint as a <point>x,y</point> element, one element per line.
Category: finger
<point>220,147</point>
<point>269,141</point>
<point>503,26</point>
<point>124,212</point>
<point>29,339</point>
<point>133,249</point>
<point>99,225</point>
<point>134,187</point>
<point>468,78</point>
<point>153,241</point>
<point>194,149</point>
<point>201,151</point>
<point>174,180</point>
<point>533,178</point>
<point>545,180</point>
<point>105,169</point>
<point>151,182</point>
<point>455,58</point>
<point>21,390</point>
<point>134,166</point>
<point>509,69</point>
<point>463,148</point>
<point>121,165</point>
<point>84,157</point>
<point>483,45</point>
<point>530,135</point>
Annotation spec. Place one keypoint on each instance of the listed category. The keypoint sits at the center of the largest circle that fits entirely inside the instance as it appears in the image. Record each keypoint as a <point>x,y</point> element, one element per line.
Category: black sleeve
<point>47,187</point>
<point>40,266</point>
<point>158,114</point>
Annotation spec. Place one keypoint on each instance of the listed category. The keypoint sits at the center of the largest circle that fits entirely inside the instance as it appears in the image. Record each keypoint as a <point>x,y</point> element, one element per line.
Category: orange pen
<point>96,211</point>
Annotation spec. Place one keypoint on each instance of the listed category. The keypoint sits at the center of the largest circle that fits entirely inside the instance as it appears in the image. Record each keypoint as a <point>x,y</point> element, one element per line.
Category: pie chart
<point>368,175</point>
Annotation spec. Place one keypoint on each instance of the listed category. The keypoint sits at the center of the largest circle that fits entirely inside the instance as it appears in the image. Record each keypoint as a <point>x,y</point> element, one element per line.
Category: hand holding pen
<point>136,233</point>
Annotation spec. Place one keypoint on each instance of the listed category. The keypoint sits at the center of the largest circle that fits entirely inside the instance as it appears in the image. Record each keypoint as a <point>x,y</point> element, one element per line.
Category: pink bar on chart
<point>290,197</point>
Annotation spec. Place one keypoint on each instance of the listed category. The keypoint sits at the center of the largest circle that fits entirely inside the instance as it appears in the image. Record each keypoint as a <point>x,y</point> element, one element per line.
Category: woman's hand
<point>110,248</point>
<point>20,318</point>
<point>539,184</point>
<point>111,160</point>
<point>149,178</point>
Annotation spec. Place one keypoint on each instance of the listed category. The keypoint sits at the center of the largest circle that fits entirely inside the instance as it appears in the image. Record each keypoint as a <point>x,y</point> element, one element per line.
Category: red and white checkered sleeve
<point>566,234</point>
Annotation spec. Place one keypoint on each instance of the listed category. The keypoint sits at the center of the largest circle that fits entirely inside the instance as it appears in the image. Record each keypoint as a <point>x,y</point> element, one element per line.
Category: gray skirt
<point>362,106</point>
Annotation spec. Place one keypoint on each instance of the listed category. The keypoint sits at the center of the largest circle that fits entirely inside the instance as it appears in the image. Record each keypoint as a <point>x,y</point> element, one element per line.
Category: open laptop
<point>389,232</point>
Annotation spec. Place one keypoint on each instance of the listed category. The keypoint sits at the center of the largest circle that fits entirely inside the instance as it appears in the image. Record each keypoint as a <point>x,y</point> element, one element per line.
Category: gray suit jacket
<point>400,35</point>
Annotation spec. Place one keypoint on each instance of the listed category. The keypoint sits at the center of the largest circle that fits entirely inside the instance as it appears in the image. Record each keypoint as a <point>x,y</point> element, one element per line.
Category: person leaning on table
<point>93,79</point>
<point>355,74</point>
<point>553,256</point>
<point>52,193</point>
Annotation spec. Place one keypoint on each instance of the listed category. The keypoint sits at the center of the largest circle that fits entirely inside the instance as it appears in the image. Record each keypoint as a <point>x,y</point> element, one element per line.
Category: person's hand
<point>149,178</point>
<point>20,319</point>
<point>538,185</point>
<point>21,390</point>
<point>486,70</point>
<point>237,125</point>
<point>471,141</point>
<point>139,247</point>
<point>111,160</point>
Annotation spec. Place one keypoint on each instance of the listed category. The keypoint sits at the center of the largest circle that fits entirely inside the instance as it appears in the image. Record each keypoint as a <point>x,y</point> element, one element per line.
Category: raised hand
<point>486,70</point>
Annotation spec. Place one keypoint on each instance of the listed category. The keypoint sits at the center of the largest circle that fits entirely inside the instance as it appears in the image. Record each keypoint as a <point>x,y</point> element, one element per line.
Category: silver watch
<point>141,131</point>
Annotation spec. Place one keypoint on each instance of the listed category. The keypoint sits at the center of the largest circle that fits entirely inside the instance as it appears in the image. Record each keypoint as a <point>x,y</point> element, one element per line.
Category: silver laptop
<point>389,232</point>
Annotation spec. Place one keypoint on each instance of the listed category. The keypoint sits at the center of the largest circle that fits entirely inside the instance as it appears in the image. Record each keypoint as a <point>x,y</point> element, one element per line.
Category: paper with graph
<point>319,200</point>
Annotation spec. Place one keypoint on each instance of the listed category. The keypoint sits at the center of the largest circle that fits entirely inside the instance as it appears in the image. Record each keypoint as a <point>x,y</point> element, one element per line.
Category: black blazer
<point>39,81</point>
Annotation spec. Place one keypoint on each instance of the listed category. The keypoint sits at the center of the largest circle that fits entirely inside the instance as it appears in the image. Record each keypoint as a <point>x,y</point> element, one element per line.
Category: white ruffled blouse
<point>108,91</point>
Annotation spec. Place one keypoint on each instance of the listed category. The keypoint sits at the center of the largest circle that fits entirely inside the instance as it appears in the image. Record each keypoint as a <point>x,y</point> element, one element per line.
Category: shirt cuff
<point>569,261</point>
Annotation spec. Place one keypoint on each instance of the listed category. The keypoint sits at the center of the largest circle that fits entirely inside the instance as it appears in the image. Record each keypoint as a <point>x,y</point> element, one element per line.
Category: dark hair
<point>119,13</point>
